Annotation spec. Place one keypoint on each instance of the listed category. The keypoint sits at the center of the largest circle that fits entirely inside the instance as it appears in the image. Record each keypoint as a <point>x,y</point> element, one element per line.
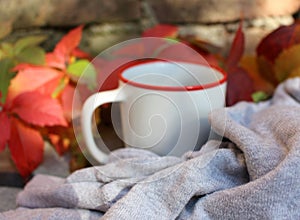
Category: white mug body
<point>164,106</point>
<point>167,122</point>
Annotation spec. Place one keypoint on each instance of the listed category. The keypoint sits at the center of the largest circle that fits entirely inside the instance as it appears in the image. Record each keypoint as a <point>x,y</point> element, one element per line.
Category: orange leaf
<point>4,130</point>
<point>61,138</point>
<point>34,78</point>
<point>249,63</point>
<point>266,69</point>
<point>295,73</point>
<point>60,144</point>
<point>26,147</point>
<point>38,109</point>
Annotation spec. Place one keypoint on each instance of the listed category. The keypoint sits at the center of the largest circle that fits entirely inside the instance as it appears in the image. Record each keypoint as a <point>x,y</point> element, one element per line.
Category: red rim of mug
<point>128,65</point>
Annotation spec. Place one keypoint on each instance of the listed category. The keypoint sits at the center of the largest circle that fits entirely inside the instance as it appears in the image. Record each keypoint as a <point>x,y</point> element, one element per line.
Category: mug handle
<point>89,106</point>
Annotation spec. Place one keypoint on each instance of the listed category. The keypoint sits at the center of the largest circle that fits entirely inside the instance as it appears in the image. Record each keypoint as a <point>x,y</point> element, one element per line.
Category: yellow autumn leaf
<point>266,69</point>
<point>287,62</point>
<point>295,72</point>
<point>250,64</point>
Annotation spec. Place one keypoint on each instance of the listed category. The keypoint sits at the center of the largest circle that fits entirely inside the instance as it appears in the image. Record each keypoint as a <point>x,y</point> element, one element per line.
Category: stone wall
<point>111,21</point>
<point>108,22</point>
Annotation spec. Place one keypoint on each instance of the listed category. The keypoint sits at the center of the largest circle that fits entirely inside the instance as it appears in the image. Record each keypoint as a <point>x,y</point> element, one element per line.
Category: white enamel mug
<point>164,106</point>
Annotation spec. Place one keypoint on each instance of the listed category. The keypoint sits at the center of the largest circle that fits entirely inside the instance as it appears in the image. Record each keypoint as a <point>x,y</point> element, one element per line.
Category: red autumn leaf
<point>55,61</point>
<point>278,40</point>
<point>134,50</point>
<point>81,54</point>
<point>82,92</point>
<point>52,87</point>
<point>66,48</point>
<point>22,66</point>
<point>107,76</point>
<point>4,130</point>
<point>179,52</point>
<point>26,147</point>
<point>272,46</point>
<point>67,101</point>
<point>212,59</point>
<point>38,109</point>
<point>68,43</point>
<point>70,102</point>
<point>161,30</point>
<point>236,50</point>
<point>34,78</point>
<point>140,48</point>
<point>239,86</point>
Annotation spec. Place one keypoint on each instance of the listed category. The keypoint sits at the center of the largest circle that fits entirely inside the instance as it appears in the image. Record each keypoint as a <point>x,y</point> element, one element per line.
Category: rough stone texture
<point>53,35</point>
<point>6,164</point>
<point>214,34</point>
<point>53,164</point>
<point>213,11</point>
<point>97,38</point>
<point>222,35</point>
<point>113,21</point>
<point>255,30</point>
<point>8,198</point>
<point>33,13</point>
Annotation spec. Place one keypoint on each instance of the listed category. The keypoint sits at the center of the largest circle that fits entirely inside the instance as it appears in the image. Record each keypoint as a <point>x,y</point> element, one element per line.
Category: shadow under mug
<point>164,106</point>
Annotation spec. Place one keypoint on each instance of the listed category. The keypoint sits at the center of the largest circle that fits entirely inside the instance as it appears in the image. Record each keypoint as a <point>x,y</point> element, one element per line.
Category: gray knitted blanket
<point>253,174</point>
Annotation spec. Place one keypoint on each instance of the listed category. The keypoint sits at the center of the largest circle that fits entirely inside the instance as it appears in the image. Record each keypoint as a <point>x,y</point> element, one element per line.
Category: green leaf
<point>33,55</point>
<point>5,77</point>
<point>77,68</point>
<point>259,96</point>
<point>7,50</point>
<point>172,40</point>
<point>2,54</point>
<point>29,41</point>
<point>83,68</point>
